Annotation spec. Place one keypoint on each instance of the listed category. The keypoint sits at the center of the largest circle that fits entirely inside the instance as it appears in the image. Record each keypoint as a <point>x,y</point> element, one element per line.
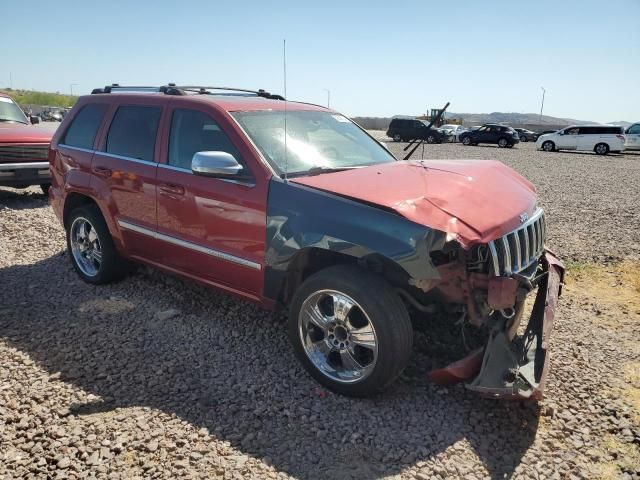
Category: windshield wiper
<point>319,171</point>
<point>8,120</point>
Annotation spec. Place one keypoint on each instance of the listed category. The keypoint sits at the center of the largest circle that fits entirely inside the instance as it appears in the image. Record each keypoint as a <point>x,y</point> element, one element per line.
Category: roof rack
<point>173,89</point>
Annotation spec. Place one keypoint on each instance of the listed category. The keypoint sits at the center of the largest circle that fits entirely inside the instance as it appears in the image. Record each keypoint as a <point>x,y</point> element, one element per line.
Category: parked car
<point>526,135</point>
<point>632,137</point>
<point>315,216</point>
<point>501,135</point>
<point>405,129</point>
<point>52,115</point>
<point>454,131</point>
<point>23,148</point>
<point>600,139</point>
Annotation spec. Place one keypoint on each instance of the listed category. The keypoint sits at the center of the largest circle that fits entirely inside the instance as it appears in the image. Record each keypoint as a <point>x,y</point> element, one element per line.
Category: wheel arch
<point>311,260</point>
<point>75,199</point>
<point>72,201</point>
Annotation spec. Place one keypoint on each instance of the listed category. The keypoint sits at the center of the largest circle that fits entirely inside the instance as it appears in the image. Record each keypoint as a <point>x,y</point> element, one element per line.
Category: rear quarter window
<point>84,127</point>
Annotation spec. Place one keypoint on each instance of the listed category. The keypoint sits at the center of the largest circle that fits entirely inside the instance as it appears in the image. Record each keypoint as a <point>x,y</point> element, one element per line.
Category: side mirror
<point>561,132</point>
<point>215,164</point>
<point>34,120</point>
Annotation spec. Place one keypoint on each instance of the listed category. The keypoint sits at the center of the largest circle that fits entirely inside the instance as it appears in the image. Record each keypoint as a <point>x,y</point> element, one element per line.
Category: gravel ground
<point>155,377</point>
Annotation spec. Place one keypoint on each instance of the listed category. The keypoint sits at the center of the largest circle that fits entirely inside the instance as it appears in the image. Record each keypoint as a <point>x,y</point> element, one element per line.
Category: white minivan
<point>601,139</point>
<point>632,135</point>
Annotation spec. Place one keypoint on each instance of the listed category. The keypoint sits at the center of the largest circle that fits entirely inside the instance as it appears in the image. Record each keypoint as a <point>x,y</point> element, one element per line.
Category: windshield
<point>10,112</point>
<point>315,141</point>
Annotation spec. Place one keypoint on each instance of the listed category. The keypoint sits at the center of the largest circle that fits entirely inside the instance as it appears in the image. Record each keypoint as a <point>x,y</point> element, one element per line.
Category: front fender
<point>300,217</point>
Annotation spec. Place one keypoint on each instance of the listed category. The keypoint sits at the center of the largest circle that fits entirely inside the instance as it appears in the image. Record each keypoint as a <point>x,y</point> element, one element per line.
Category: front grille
<point>520,249</point>
<point>22,153</point>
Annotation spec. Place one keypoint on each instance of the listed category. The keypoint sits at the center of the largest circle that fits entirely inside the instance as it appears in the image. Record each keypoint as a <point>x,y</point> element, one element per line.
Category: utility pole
<point>542,104</point>
<point>71,85</point>
<point>328,96</point>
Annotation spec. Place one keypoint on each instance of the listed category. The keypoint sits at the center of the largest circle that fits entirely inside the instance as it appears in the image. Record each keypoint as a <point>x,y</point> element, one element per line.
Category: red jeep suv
<point>292,205</point>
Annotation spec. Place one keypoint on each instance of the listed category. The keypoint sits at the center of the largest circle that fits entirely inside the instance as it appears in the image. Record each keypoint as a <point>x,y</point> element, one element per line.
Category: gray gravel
<point>155,377</point>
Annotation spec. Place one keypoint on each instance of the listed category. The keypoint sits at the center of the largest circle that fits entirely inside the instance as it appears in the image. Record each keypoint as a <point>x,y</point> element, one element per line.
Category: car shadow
<point>22,199</point>
<point>109,341</point>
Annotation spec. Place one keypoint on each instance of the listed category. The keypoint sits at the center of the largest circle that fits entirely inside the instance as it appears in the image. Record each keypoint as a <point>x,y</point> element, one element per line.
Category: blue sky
<point>377,58</point>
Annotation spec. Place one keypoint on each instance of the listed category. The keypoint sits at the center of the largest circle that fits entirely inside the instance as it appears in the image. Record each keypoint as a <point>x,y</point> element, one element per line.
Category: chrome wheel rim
<point>466,141</point>
<point>337,336</point>
<point>502,143</point>
<point>601,149</point>
<point>85,247</point>
<point>547,146</point>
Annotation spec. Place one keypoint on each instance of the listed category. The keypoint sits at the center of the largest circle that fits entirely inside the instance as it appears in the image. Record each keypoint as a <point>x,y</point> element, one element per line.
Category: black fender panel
<point>300,217</point>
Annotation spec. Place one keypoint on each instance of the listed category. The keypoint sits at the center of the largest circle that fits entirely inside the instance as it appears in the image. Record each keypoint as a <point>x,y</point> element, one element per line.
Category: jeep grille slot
<point>18,153</point>
<point>519,249</point>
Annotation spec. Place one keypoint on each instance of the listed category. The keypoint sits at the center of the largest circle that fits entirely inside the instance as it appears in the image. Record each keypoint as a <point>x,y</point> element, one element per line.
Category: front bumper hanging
<point>513,368</point>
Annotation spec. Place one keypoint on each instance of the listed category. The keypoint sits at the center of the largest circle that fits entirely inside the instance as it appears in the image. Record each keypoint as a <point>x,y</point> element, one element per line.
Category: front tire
<point>431,139</point>
<point>350,330</point>
<point>524,139</point>
<point>91,249</point>
<point>503,143</point>
<point>549,146</point>
<point>601,149</point>
<point>45,189</point>
<point>466,141</point>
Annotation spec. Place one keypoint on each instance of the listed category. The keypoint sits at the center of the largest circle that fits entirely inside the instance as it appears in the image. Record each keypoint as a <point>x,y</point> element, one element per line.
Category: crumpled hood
<point>20,133</point>
<point>473,200</point>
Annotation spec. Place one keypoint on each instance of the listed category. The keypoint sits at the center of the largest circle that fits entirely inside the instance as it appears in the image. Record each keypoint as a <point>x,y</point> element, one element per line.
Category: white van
<point>601,139</point>
<point>632,135</point>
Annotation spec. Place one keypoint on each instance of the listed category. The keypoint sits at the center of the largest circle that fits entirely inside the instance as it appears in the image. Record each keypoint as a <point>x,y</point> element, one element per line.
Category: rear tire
<point>601,149</point>
<point>397,137</point>
<point>549,146</point>
<point>45,189</point>
<point>328,317</point>
<point>524,139</point>
<point>91,249</point>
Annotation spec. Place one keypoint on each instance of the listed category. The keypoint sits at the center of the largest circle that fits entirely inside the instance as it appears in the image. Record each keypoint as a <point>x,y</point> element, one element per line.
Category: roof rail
<point>173,89</point>
<point>168,89</point>
<point>207,91</point>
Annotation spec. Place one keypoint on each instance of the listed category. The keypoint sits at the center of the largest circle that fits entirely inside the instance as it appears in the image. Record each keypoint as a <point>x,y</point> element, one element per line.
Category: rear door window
<point>84,127</point>
<point>133,132</point>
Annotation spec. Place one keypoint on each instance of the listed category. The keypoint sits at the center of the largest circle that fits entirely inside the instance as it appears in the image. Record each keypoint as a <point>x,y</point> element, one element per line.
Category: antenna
<point>284,64</point>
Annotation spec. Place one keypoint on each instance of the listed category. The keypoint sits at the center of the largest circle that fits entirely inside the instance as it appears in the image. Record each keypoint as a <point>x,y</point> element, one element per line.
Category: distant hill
<point>32,97</point>
<point>622,123</point>
<point>514,118</point>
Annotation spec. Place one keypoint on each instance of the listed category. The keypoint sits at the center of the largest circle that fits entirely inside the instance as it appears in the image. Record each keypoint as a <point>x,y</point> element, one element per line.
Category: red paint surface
<point>478,200</point>
<point>12,133</point>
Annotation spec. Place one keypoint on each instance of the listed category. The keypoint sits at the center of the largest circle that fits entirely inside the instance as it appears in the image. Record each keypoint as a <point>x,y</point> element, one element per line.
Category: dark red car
<point>292,205</point>
<point>23,148</point>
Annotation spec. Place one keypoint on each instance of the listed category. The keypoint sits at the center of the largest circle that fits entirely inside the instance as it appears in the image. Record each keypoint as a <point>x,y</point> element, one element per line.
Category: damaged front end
<point>493,284</point>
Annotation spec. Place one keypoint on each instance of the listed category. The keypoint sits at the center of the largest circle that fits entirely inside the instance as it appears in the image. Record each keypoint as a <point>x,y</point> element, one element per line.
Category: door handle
<point>102,171</point>
<point>171,189</point>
